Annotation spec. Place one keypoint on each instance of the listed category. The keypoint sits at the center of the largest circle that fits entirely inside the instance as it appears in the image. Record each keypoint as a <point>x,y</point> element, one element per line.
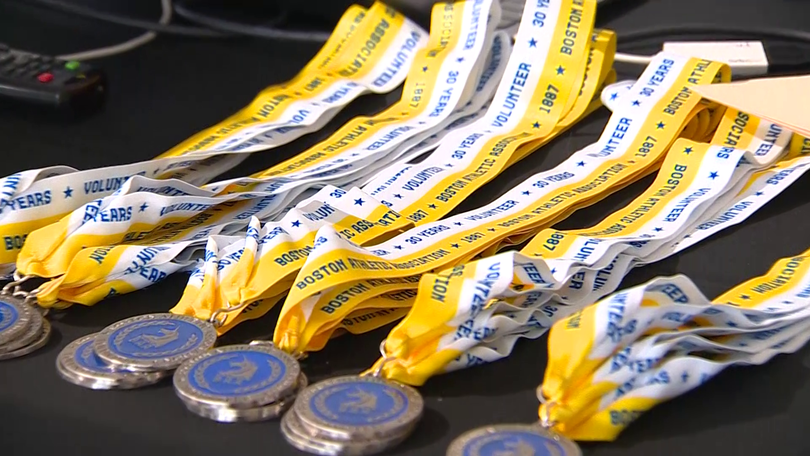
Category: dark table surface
<point>169,89</point>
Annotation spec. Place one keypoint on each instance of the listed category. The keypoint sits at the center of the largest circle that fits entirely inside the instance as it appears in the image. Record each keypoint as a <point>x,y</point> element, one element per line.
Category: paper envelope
<point>784,101</point>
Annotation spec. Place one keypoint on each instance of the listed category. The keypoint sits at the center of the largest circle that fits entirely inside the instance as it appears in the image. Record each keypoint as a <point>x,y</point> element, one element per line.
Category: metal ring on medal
<point>41,341</point>
<point>15,316</point>
<point>31,333</point>
<point>359,407</point>
<point>79,364</point>
<point>513,439</point>
<point>154,342</point>
<point>238,376</point>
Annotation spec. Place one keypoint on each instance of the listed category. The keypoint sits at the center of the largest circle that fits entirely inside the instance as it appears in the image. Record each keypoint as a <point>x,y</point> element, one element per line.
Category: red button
<point>45,77</point>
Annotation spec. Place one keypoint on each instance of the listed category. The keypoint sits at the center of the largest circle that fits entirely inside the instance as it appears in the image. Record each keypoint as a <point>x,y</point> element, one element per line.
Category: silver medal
<point>154,342</point>
<point>15,316</point>
<point>301,437</point>
<point>512,439</point>
<point>41,340</point>
<point>31,333</point>
<point>359,408</point>
<point>78,364</point>
<point>238,376</point>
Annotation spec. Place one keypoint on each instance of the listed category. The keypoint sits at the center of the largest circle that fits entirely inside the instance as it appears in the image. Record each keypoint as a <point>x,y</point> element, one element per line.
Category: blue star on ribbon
<point>68,192</point>
<point>359,202</point>
<point>296,224</point>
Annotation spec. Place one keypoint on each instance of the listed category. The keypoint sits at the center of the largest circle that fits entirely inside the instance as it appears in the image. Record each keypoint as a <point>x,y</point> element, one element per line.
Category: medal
<point>15,317</point>
<point>352,415</point>
<point>32,331</point>
<point>513,439</point>
<point>23,330</point>
<point>40,341</point>
<point>78,364</point>
<point>239,382</point>
<point>154,342</point>
<point>297,435</point>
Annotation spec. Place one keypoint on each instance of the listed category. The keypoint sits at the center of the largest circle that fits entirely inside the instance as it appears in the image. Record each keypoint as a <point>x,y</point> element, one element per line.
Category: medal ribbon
<point>673,340</point>
<point>264,282</point>
<point>102,222</point>
<point>229,207</point>
<point>274,264</point>
<point>542,285</point>
<point>631,147</point>
<point>505,327</point>
<point>297,310</point>
<point>37,198</point>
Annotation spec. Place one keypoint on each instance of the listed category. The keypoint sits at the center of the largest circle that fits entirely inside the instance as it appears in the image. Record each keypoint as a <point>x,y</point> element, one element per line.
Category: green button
<point>72,65</point>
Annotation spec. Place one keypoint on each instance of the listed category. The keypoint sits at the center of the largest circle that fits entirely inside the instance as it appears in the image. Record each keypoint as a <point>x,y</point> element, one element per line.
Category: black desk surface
<point>171,88</point>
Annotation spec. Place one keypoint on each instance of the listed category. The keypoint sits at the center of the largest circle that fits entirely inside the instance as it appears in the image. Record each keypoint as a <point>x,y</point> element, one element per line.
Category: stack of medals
<point>135,352</point>
<point>23,330</point>
<point>352,415</point>
<point>251,382</point>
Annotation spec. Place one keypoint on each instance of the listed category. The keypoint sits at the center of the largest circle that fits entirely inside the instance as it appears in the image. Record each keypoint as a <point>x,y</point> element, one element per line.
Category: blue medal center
<point>237,373</point>
<point>153,339</point>
<point>8,315</point>
<point>359,403</point>
<point>86,357</point>
<point>513,442</point>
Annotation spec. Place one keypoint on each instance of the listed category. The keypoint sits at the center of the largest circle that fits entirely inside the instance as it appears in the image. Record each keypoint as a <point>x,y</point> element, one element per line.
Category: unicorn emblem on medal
<point>154,341</point>
<point>515,448</point>
<point>242,371</point>
<point>359,402</point>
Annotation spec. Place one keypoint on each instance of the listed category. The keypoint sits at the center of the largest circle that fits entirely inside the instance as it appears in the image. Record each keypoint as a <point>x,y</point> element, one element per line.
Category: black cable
<point>260,31</point>
<point>752,33</point>
<point>126,21</point>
